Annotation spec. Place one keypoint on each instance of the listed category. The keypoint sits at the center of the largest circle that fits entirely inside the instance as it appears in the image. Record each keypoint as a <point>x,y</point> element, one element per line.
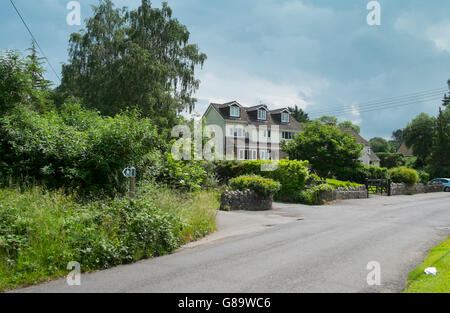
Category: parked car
<point>444,181</point>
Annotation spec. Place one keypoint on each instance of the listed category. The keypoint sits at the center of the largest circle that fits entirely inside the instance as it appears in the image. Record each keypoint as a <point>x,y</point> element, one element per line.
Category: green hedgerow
<point>404,175</point>
<point>262,186</point>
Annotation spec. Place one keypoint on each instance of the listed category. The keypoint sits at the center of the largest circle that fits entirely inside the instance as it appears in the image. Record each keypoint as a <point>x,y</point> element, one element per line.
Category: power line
<point>34,39</point>
<point>427,97</point>
<point>386,101</point>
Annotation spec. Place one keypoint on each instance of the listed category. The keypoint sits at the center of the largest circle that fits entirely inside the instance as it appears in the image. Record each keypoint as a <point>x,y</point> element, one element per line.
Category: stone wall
<point>245,200</point>
<point>341,193</point>
<point>403,189</point>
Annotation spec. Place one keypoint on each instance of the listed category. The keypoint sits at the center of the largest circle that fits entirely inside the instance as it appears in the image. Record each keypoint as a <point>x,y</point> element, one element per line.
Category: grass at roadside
<point>439,257</point>
<point>41,231</point>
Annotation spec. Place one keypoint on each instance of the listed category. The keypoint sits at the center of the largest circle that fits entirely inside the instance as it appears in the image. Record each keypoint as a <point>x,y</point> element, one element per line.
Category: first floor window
<point>264,155</point>
<point>234,111</point>
<point>285,117</point>
<point>262,115</point>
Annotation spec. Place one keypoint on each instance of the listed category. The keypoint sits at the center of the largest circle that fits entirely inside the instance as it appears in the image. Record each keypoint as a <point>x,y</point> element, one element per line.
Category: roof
<point>358,137</point>
<point>246,116</point>
<point>407,152</point>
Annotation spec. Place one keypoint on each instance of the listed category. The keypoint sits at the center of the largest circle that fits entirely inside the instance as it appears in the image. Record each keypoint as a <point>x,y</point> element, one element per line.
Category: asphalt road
<point>294,248</point>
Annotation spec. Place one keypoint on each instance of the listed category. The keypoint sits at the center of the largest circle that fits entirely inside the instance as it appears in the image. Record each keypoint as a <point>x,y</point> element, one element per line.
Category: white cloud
<point>440,35</point>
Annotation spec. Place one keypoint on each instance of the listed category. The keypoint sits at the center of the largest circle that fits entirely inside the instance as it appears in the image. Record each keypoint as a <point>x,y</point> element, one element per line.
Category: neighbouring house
<point>405,151</point>
<point>255,133</point>
<point>368,157</point>
<point>252,133</point>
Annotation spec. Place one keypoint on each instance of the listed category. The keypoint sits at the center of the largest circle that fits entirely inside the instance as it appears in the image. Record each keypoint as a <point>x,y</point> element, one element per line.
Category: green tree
<point>133,58</point>
<point>326,148</point>
<point>419,135</point>
<point>379,144</point>
<point>397,139</point>
<point>350,125</point>
<point>327,120</point>
<point>446,101</point>
<point>299,115</point>
<point>440,157</point>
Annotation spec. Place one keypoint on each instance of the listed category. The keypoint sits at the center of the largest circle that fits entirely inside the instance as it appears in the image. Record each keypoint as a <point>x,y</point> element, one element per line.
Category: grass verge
<point>439,257</point>
<point>42,231</point>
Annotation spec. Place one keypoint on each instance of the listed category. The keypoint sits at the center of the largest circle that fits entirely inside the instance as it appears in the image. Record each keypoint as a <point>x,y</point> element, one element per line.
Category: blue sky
<point>320,55</point>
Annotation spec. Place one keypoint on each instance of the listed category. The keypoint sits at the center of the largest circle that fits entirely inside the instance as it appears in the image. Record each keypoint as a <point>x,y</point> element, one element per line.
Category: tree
<point>446,101</point>
<point>440,157</point>
<point>299,115</point>
<point>397,139</point>
<point>419,134</point>
<point>379,144</point>
<point>327,120</point>
<point>326,148</point>
<point>350,125</point>
<point>391,160</point>
<point>140,58</point>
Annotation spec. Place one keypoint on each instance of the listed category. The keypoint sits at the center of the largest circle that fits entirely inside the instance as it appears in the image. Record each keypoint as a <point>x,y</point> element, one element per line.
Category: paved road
<point>294,248</point>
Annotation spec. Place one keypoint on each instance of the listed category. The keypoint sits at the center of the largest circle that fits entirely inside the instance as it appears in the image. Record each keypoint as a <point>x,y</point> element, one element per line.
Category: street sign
<point>129,172</point>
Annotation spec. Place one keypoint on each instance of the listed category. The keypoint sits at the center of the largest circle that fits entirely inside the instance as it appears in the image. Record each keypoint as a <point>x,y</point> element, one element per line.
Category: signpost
<point>130,172</point>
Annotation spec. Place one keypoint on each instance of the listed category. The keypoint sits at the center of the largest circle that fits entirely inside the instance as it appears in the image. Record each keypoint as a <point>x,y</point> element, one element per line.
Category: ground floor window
<point>245,154</point>
<point>264,155</point>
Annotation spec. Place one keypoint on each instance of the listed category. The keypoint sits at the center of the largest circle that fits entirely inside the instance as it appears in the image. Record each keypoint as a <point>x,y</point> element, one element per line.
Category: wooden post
<point>389,187</point>
<point>133,188</point>
<point>367,187</point>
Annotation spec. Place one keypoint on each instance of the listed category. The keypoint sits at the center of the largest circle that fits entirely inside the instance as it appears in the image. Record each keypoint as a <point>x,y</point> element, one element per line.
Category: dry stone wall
<point>244,200</point>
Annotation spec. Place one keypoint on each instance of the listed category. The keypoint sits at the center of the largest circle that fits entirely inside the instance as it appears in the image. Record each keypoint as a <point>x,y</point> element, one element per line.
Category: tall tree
<point>440,158</point>
<point>299,115</point>
<point>397,139</point>
<point>446,101</point>
<point>140,58</point>
<point>350,125</point>
<point>419,135</point>
<point>326,148</point>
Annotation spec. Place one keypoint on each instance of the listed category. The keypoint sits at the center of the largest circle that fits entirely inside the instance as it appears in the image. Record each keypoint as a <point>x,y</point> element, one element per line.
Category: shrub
<point>337,183</point>
<point>292,174</point>
<point>404,175</point>
<point>76,149</point>
<point>391,160</point>
<point>260,185</point>
<point>424,177</point>
<point>312,196</point>
<point>361,173</point>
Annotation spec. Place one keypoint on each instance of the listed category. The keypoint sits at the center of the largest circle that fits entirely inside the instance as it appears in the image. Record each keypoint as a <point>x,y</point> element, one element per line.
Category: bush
<point>391,160</point>
<point>337,183</point>
<point>75,149</point>
<point>424,177</point>
<point>404,175</point>
<point>260,185</point>
<point>312,196</point>
<point>41,232</point>
<point>291,174</point>
<point>361,173</point>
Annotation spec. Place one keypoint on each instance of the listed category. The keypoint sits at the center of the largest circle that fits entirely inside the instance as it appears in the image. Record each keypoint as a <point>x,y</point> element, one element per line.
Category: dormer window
<point>262,114</point>
<point>234,111</point>
<point>285,117</point>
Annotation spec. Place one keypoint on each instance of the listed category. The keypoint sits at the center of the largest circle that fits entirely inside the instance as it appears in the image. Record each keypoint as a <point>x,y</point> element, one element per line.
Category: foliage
<point>404,175</point>
<point>41,232</point>
<point>439,257</point>
<point>326,148</point>
<point>338,183</point>
<point>75,149</point>
<point>424,177</point>
<point>312,196</point>
<point>361,173</point>
<point>419,135</point>
<point>446,100</point>
<point>138,58</point>
<point>397,139</point>
<point>21,82</point>
<point>292,174</point>
<point>258,184</point>
<point>440,156</point>
<point>350,125</point>
<point>379,144</point>
<point>391,160</point>
<point>327,120</point>
<point>298,114</point>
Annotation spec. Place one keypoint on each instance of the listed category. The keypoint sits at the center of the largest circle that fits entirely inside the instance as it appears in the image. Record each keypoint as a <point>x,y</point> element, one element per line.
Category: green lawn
<point>439,257</point>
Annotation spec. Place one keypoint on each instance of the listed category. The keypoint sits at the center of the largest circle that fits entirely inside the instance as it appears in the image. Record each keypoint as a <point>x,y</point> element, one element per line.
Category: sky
<point>321,55</point>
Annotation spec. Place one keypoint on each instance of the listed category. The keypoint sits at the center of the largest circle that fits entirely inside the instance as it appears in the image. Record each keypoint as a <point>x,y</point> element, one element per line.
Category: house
<point>255,133</point>
<point>252,133</point>
<point>405,151</point>
<point>368,157</point>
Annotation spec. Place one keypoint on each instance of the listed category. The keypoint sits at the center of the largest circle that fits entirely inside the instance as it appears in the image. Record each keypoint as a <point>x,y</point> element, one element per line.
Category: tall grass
<point>42,231</point>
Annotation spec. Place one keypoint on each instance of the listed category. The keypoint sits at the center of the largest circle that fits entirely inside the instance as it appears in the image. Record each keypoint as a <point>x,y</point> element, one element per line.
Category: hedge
<point>260,185</point>
<point>404,175</point>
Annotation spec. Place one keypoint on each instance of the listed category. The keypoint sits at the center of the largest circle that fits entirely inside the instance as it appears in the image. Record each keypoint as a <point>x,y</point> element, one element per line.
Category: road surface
<point>293,248</point>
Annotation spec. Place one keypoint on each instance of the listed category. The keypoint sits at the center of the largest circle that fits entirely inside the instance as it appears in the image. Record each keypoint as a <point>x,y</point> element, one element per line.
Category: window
<point>242,154</point>
<point>234,111</point>
<point>287,135</point>
<point>253,155</point>
<point>238,132</point>
<point>285,117</point>
<point>264,155</point>
<point>262,114</point>
<point>267,134</point>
